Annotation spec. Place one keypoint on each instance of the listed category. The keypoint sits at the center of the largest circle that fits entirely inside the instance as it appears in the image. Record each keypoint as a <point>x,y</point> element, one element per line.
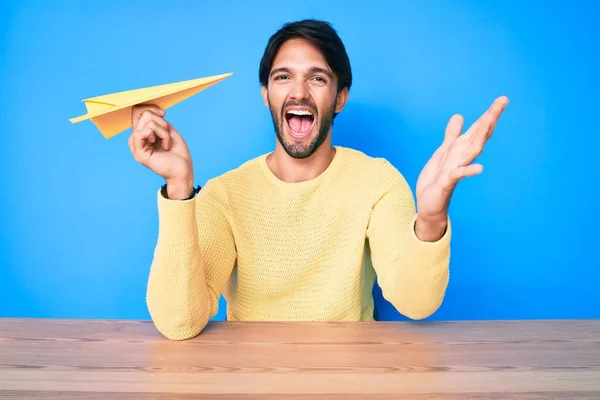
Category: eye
<point>281,77</point>
<point>320,79</point>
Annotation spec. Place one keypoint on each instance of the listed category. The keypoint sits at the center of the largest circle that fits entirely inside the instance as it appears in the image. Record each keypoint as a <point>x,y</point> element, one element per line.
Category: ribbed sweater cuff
<point>434,255</point>
<point>176,219</point>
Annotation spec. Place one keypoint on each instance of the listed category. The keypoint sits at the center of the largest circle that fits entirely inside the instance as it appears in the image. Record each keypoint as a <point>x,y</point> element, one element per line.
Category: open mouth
<point>300,122</point>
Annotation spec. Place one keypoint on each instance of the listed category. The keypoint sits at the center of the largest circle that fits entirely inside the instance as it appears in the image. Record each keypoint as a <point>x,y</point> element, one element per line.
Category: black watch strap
<point>163,192</point>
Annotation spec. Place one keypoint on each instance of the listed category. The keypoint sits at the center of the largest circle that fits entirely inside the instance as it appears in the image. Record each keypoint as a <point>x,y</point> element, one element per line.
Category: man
<point>300,233</point>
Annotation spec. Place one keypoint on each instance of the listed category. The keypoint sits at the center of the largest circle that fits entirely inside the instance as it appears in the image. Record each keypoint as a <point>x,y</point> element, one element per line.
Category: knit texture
<point>307,251</point>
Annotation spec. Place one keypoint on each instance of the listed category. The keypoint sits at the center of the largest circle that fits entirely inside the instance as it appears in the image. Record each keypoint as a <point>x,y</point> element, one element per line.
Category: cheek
<point>277,94</point>
<point>324,99</point>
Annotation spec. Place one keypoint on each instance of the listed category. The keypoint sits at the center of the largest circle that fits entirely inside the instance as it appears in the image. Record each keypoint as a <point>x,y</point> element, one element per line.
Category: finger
<point>498,106</point>
<point>162,133</point>
<point>142,144</point>
<point>465,171</point>
<point>495,111</point>
<point>148,116</point>
<point>487,121</point>
<point>142,136</point>
<point>151,135</point>
<point>139,109</point>
<point>454,127</point>
<point>482,134</point>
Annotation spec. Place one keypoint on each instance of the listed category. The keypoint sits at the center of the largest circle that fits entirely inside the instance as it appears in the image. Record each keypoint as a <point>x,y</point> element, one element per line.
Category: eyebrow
<point>312,70</point>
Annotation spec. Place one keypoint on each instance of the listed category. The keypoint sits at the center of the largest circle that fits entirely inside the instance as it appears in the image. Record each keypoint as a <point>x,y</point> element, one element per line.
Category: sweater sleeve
<point>413,274</point>
<point>193,259</point>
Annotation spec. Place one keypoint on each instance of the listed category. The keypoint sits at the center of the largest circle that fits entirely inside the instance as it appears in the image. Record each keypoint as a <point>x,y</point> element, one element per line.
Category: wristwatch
<point>163,192</point>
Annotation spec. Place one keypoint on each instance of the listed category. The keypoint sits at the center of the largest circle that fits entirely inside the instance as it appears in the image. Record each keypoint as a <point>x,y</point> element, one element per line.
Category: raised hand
<point>156,144</point>
<point>450,163</point>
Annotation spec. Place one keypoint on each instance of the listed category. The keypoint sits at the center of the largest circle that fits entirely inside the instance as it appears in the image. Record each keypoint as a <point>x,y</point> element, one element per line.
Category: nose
<point>299,90</point>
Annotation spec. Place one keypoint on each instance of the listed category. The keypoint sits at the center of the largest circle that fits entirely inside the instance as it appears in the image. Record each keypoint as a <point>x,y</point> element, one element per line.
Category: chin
<point>299,145</point>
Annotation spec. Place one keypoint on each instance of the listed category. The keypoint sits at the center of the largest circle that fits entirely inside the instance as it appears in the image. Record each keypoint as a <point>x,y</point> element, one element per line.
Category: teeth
<point>299,112</point>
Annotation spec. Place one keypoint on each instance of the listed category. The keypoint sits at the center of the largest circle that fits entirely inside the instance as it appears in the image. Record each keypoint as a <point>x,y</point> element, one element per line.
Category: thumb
<point>468,170</point>
<point>171,138</point>
<point>454,127</point>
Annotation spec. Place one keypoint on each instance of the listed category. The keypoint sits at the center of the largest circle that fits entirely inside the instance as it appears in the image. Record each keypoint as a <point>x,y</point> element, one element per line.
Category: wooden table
<point>97,359</point>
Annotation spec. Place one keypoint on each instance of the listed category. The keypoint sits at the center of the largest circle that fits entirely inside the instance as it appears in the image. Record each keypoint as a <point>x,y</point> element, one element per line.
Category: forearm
<point>177,294</point>
<point>418,280</point>
<point>418,292</point>
<point>410,252</point>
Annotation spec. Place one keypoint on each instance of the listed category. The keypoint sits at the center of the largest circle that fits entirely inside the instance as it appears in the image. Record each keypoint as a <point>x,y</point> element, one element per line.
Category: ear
<point>342,97</point>
<point>263,93</point>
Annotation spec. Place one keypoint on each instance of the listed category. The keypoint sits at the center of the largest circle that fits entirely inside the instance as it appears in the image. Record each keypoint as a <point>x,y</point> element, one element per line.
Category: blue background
<point>79,218</point>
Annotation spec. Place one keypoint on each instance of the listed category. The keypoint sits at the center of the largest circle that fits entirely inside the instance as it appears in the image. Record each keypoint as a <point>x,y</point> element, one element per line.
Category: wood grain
<point>93,359</point>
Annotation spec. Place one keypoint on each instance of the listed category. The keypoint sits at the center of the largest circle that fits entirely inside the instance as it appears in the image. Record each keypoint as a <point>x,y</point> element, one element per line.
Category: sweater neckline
<point>331,168</point>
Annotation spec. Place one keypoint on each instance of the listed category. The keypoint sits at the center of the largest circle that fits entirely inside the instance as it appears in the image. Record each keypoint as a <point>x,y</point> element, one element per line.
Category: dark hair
<point>322,35</point>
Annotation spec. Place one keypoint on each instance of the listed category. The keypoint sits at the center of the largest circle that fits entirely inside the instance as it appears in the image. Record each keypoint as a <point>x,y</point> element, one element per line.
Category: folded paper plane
<point>111,113</point>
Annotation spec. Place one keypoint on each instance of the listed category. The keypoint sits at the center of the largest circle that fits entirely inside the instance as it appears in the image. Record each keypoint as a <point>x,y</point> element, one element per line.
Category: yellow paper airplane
<point>111,113</point>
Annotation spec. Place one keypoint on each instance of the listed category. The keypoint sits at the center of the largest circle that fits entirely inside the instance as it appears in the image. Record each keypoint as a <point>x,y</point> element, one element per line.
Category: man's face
<point>302,96</point>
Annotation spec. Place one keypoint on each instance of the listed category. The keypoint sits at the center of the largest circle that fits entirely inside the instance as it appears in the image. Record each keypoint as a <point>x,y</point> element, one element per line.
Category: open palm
<point>452,161</point>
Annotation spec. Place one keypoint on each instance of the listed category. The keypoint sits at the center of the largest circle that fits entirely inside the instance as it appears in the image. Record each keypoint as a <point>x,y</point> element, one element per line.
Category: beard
<point>295,148</point>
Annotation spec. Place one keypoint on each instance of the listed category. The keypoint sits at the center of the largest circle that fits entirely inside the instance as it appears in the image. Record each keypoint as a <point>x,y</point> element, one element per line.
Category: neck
<point>290,169</point>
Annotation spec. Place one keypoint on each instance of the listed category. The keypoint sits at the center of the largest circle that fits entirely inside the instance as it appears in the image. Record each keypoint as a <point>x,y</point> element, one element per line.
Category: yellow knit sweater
<point>294,251</point>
